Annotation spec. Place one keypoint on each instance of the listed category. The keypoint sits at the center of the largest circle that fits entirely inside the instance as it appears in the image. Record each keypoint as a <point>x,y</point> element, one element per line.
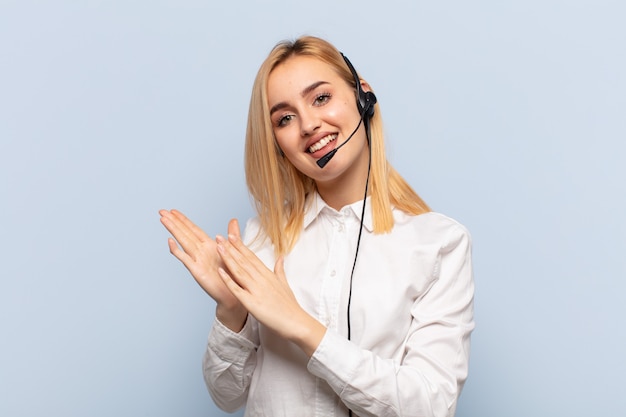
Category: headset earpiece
<point>370,99</point>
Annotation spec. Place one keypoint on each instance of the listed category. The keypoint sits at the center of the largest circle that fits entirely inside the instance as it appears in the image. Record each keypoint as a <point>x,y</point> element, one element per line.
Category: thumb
<point>279,268</point>
<point>233,228</point>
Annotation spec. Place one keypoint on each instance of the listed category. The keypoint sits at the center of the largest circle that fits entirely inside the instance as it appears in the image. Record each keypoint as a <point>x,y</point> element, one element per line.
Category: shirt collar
<point>315,204</point>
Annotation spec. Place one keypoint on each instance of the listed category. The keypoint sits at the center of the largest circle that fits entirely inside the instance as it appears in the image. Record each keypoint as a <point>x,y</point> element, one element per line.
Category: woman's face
<point>313,110</point>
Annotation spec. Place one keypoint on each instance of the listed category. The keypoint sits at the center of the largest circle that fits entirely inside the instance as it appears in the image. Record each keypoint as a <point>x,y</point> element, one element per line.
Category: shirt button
<point>340,228</point>
<point>333,273</point>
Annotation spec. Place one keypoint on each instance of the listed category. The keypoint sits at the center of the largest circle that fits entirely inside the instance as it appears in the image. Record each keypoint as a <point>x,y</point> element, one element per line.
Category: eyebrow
<point>307,90</point>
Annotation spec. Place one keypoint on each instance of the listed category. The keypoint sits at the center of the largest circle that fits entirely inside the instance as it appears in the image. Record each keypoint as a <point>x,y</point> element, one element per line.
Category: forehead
<point>296,74</point>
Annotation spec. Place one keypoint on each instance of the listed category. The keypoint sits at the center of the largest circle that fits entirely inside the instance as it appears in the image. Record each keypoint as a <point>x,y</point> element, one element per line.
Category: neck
<point>349,187</point>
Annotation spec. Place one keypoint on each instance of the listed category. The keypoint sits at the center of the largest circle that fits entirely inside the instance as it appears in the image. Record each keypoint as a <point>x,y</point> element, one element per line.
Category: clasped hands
<point>239,281</point>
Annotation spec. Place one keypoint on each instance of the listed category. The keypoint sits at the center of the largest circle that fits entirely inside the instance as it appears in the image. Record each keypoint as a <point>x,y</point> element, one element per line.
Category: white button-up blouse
<point>411,315</point>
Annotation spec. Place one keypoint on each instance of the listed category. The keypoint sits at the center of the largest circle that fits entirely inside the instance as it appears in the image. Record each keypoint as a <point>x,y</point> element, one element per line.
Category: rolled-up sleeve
<point>229,362</point>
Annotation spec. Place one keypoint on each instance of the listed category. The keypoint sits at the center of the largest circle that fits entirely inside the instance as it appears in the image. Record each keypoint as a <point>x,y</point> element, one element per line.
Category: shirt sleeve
<point>228,364</point>
<point>430,376</point>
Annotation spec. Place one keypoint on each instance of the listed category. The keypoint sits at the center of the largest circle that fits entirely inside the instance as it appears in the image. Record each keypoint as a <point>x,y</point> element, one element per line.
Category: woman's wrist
<point>310,335</point>
<point>233,318</point>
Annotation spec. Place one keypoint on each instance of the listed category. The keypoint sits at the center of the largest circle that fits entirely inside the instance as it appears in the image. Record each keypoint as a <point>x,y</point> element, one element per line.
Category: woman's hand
<point>198,252</point>
<point>266,294</point>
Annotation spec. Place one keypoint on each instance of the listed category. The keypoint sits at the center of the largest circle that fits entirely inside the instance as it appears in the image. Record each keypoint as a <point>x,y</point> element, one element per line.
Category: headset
<point>365,104</point>
<point>365,100</point>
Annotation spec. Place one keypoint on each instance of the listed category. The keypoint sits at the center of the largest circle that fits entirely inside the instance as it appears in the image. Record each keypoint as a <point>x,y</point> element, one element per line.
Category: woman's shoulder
<point>430,225</point>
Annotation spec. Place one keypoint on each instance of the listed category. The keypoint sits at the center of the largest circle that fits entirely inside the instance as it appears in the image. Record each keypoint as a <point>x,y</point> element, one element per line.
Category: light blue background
<point>507,115</point>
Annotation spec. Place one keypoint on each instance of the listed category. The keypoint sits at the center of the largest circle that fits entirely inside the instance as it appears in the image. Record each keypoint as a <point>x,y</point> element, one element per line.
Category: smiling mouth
<point>321,143</point>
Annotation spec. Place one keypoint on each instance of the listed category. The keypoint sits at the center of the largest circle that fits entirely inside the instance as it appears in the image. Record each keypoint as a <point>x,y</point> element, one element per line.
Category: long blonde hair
<point>278,189</point>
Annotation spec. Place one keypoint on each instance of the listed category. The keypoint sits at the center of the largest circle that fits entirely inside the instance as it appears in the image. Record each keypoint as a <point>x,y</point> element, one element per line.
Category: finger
<point>177,252</point>
<point>237,243</point>
<point>182,234</point>
<point>232,259</point>
<point>232,285</point>
<point>173,225</point>
<point>244,267</point>
<point>193,228</point>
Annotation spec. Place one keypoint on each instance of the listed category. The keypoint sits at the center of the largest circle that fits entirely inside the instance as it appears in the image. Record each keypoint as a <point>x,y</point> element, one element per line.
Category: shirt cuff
<point>228,345</point>
<point>335,360</point>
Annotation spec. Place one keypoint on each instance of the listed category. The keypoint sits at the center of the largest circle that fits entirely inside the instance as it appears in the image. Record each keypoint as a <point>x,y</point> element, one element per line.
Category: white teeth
<point>323,142</point>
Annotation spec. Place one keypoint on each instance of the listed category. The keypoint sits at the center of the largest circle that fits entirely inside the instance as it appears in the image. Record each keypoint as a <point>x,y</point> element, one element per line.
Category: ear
<point>365,86</point>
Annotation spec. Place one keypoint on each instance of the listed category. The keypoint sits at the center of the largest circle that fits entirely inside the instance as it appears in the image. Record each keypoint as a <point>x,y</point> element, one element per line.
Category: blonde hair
<point>279,190</point>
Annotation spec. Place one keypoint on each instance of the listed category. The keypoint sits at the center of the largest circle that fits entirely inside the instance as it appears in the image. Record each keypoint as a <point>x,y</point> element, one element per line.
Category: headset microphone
<point>365,103</point>
<point>324,159</point>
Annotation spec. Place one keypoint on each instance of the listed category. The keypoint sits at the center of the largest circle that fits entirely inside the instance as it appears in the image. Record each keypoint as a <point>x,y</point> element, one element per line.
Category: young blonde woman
<point>346,295</point>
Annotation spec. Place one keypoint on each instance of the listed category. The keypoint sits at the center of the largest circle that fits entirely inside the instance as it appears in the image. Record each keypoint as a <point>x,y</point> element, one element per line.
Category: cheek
<point>280,140</point>
<point>342,112</point>
<point>285,141</point>
<point>283,145</point>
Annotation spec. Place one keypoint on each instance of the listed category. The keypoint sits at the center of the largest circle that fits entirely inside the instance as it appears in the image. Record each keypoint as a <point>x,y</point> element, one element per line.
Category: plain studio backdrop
<point>509,116</point>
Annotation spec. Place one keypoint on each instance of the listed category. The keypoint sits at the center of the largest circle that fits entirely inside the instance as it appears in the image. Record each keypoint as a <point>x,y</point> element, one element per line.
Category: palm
<point>198,252</point>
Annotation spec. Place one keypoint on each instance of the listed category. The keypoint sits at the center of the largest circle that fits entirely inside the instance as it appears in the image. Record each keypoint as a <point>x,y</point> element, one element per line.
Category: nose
<point>309,122</point>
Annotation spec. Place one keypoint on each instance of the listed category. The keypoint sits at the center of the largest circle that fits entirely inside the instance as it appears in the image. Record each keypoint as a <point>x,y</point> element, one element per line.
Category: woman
<point>347,296</point>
